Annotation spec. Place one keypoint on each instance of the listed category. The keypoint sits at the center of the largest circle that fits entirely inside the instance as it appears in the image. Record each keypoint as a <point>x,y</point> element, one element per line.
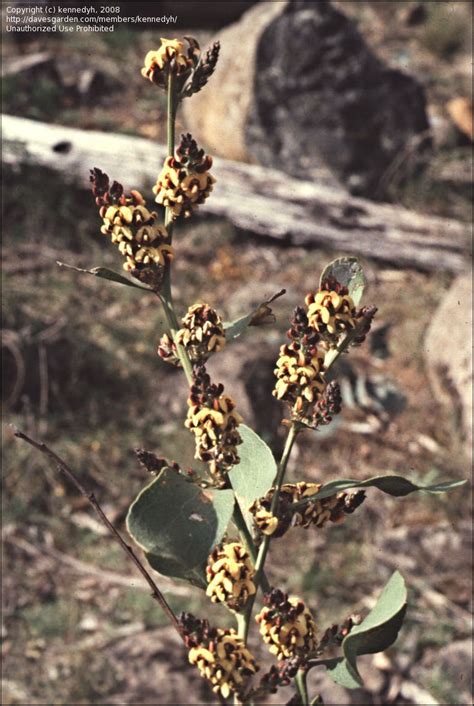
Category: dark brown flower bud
<point>203,71</point>
<point>154,464</point>
<point>366,314</point>
<point>327,407</point>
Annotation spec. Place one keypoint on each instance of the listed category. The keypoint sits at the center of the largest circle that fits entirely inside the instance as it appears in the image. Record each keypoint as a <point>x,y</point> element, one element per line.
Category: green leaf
<point>259,316</point>
<point>348,272</point>
<point>178,524</point>
<point>375,634</point>
<point>390,484</point>
<point>105,273</point>
<point>253,476</point>
<point>171,567</point>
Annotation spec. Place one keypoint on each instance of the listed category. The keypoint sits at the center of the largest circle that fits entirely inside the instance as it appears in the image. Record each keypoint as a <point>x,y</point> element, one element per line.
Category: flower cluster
<point>185,181</point>
<point>299,374</point>
<point>220,655</point>
<point>229,574</point>
<point>189,69</point>
<point>133,228</point>
<point>329,315</point>
<point>213,420</point>
<point>331,312</point>
<point>313,513</point>
<point>286,625</point>
<point>201,333</point>
<point>171,56</point>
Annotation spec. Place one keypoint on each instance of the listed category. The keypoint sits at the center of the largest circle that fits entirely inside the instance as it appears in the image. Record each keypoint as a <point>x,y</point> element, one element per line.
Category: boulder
<point>448,354</point>
<point>218,114</point>
<point>297,88</point>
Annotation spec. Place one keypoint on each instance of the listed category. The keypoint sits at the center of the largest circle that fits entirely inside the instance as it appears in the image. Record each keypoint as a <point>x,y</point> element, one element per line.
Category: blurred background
<point>365,111</point>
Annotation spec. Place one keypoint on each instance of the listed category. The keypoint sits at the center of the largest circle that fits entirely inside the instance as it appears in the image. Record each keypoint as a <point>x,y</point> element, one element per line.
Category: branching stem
<point>67,470</point>
<point>239,521</point>
<point>265,545</point>
<point>166,298</point>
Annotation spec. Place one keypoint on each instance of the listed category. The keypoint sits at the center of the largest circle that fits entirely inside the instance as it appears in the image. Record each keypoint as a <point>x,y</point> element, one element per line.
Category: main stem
<point>265,545</point>
<point>165,294</point>
<point>166,298</point>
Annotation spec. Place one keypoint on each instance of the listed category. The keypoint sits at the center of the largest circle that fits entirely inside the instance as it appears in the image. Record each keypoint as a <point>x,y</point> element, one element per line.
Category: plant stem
<point>245,535</point>
<point>165,295</point>
<point>265,545</point>
<point>301,687</point>
<point>67,470</point>
<point>166,298</point>
<point>171,118</point>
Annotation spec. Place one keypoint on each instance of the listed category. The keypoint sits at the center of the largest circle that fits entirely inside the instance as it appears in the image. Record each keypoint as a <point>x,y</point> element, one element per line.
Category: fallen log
<point>263,201</point>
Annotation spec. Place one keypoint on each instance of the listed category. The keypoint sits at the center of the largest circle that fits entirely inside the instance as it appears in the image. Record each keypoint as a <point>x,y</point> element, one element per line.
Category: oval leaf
<point>390,484</point>
<point>178,524</point>
<point>253,476</point>
<point>348,272</point>
<point>375,634</point>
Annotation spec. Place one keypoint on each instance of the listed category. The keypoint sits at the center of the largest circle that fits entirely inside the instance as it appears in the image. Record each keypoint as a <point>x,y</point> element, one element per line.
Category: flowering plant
<point>213,526</point>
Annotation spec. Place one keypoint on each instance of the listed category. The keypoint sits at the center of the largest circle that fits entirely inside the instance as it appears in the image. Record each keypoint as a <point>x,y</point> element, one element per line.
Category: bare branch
<point>63,466</point>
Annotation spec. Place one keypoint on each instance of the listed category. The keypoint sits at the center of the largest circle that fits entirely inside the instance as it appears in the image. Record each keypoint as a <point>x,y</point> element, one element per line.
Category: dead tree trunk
<point>264,201</point>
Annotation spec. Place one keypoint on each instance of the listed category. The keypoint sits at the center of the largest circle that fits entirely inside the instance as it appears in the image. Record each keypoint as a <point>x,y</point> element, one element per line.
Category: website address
<point>35,20</point>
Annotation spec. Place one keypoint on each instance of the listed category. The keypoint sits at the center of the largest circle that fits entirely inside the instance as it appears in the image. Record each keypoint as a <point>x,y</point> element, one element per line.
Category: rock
<point>301,91</point>
<point>219,113</point>
<point>447,349</point>
<point>460,110</point>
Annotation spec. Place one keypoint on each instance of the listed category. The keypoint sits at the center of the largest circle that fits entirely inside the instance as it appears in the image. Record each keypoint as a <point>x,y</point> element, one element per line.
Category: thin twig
<point>63,466</point>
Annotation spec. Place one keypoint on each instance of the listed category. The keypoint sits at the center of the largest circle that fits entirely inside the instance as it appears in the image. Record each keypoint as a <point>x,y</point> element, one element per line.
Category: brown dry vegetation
<point>80,370</point>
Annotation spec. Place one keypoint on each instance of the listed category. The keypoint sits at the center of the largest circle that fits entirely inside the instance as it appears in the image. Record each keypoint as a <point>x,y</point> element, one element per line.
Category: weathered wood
<point>12,66</point>
<point>263,201</point>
